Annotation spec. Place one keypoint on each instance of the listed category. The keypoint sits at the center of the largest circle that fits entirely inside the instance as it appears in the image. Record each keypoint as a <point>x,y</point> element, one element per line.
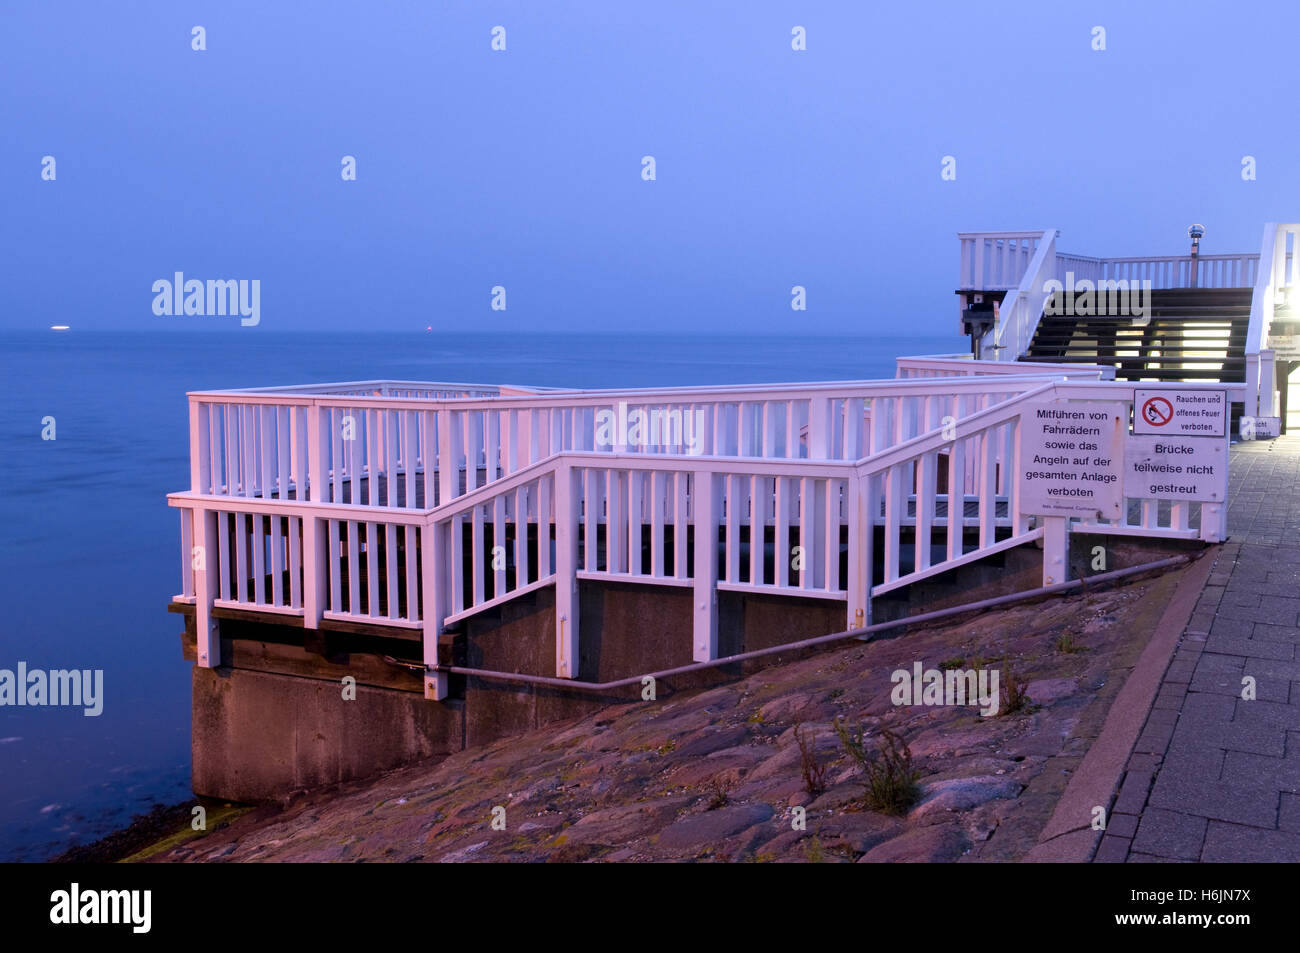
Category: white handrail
<point>1023,306</point>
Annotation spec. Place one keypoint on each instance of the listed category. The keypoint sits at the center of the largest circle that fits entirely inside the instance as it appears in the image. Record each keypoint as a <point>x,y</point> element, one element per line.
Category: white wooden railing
<point>416,451</point>
<point>1274,285</point>
<point>996,261</point>
<point>964,365</point>
<point>1022,306</point>
<point>1022,263</point>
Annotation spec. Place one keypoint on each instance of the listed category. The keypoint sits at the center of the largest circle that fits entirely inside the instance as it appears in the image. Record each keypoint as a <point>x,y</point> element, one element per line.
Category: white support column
<point>707,504</point>
<point>1267,383</point>
<point>1056,549</point>
<point>566,580</point>
<point>315,542</point>
<point>434,579</point>
<point>206,630</point>
<point>860,538</point>
<point>1251,408</point>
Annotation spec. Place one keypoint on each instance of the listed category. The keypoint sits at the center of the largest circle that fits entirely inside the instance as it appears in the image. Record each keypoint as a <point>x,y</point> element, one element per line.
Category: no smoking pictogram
<point>1199,412</point>
<point>1157,411</point>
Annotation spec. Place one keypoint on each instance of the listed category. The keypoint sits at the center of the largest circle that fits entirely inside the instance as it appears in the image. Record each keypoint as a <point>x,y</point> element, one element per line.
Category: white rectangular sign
<point>1176,468</point>
<point>1180,413</point>
<point>1072,459</point>
<point>1259,428</point>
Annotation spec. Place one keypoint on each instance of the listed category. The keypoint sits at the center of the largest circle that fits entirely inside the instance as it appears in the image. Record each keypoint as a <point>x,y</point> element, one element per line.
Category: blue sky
<point>522,168</point>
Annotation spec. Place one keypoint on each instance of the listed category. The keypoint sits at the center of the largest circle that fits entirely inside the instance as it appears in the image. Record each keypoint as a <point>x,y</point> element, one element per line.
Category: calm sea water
<point>91,553</point>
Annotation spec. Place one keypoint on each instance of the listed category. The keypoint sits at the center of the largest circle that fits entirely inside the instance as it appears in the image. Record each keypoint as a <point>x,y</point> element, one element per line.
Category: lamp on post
<point>1194,232</point>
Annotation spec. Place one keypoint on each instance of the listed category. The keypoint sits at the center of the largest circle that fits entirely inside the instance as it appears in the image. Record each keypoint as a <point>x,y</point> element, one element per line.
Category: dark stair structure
<point>1188,334</point>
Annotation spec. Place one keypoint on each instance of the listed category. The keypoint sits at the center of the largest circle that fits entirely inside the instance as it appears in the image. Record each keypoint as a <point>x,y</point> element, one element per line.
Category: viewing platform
<point>477,557</point>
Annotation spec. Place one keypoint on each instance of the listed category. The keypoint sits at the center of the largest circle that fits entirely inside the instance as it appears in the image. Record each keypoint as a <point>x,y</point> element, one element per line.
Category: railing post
<point>566,580</point>
<point>820,443</point>
<point>433,603</point>
<point>207,635</point>
<point>1056,549</point>
<point>860,539</point>
<point>448,468</point>
<point>315,546</point>
<point>706,506</point>
<point>200,448</point>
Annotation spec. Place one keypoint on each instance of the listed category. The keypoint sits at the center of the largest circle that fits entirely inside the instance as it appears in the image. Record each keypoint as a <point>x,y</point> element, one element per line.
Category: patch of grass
<point>834,694</point>
<point>887,769</point>
<point>948,664</point>
<point>666,747</point>
<point>720,791</point>
<point>813,771</point>
<point>1065,643</point>
<point>1015,687</point>
<point>813,851</point>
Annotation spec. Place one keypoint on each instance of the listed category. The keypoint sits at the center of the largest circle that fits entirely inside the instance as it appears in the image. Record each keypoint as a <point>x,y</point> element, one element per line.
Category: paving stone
<point>1220,662</point>
<point>1190,757</point>
<point>1286,611</point>
<point>1162,718</point>
<point>1138,762</point>
<point>1170,697</point>
<point>1266,632</point>
<point>1133,793</point>
<point>1237,843</point>
<point>1238,628</point>
<point>1237,800</point>
<point>1281,773</point>
<point>1218,682</point>
<point>1288,812</point>
<point>1276,667</point>
<point>1243,597</point>
<point>1244,648</point>
<point>1154,739</point>
<point>1112,850</point>
<point>1266,714</point>
<point>1170,834</point>
<point>1121,825</point>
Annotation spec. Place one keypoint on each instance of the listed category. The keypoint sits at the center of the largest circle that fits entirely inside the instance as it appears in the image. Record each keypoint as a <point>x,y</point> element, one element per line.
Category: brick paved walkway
<point>1214,777</point>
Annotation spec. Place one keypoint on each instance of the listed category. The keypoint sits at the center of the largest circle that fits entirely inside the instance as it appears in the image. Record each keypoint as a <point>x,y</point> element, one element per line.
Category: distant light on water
<point>59,327</point>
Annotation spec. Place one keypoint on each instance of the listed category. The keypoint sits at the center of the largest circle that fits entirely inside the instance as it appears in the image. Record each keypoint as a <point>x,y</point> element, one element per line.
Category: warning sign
<point>1180,413</point>
<point>1072,459</point>
<point>1176,468</point>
